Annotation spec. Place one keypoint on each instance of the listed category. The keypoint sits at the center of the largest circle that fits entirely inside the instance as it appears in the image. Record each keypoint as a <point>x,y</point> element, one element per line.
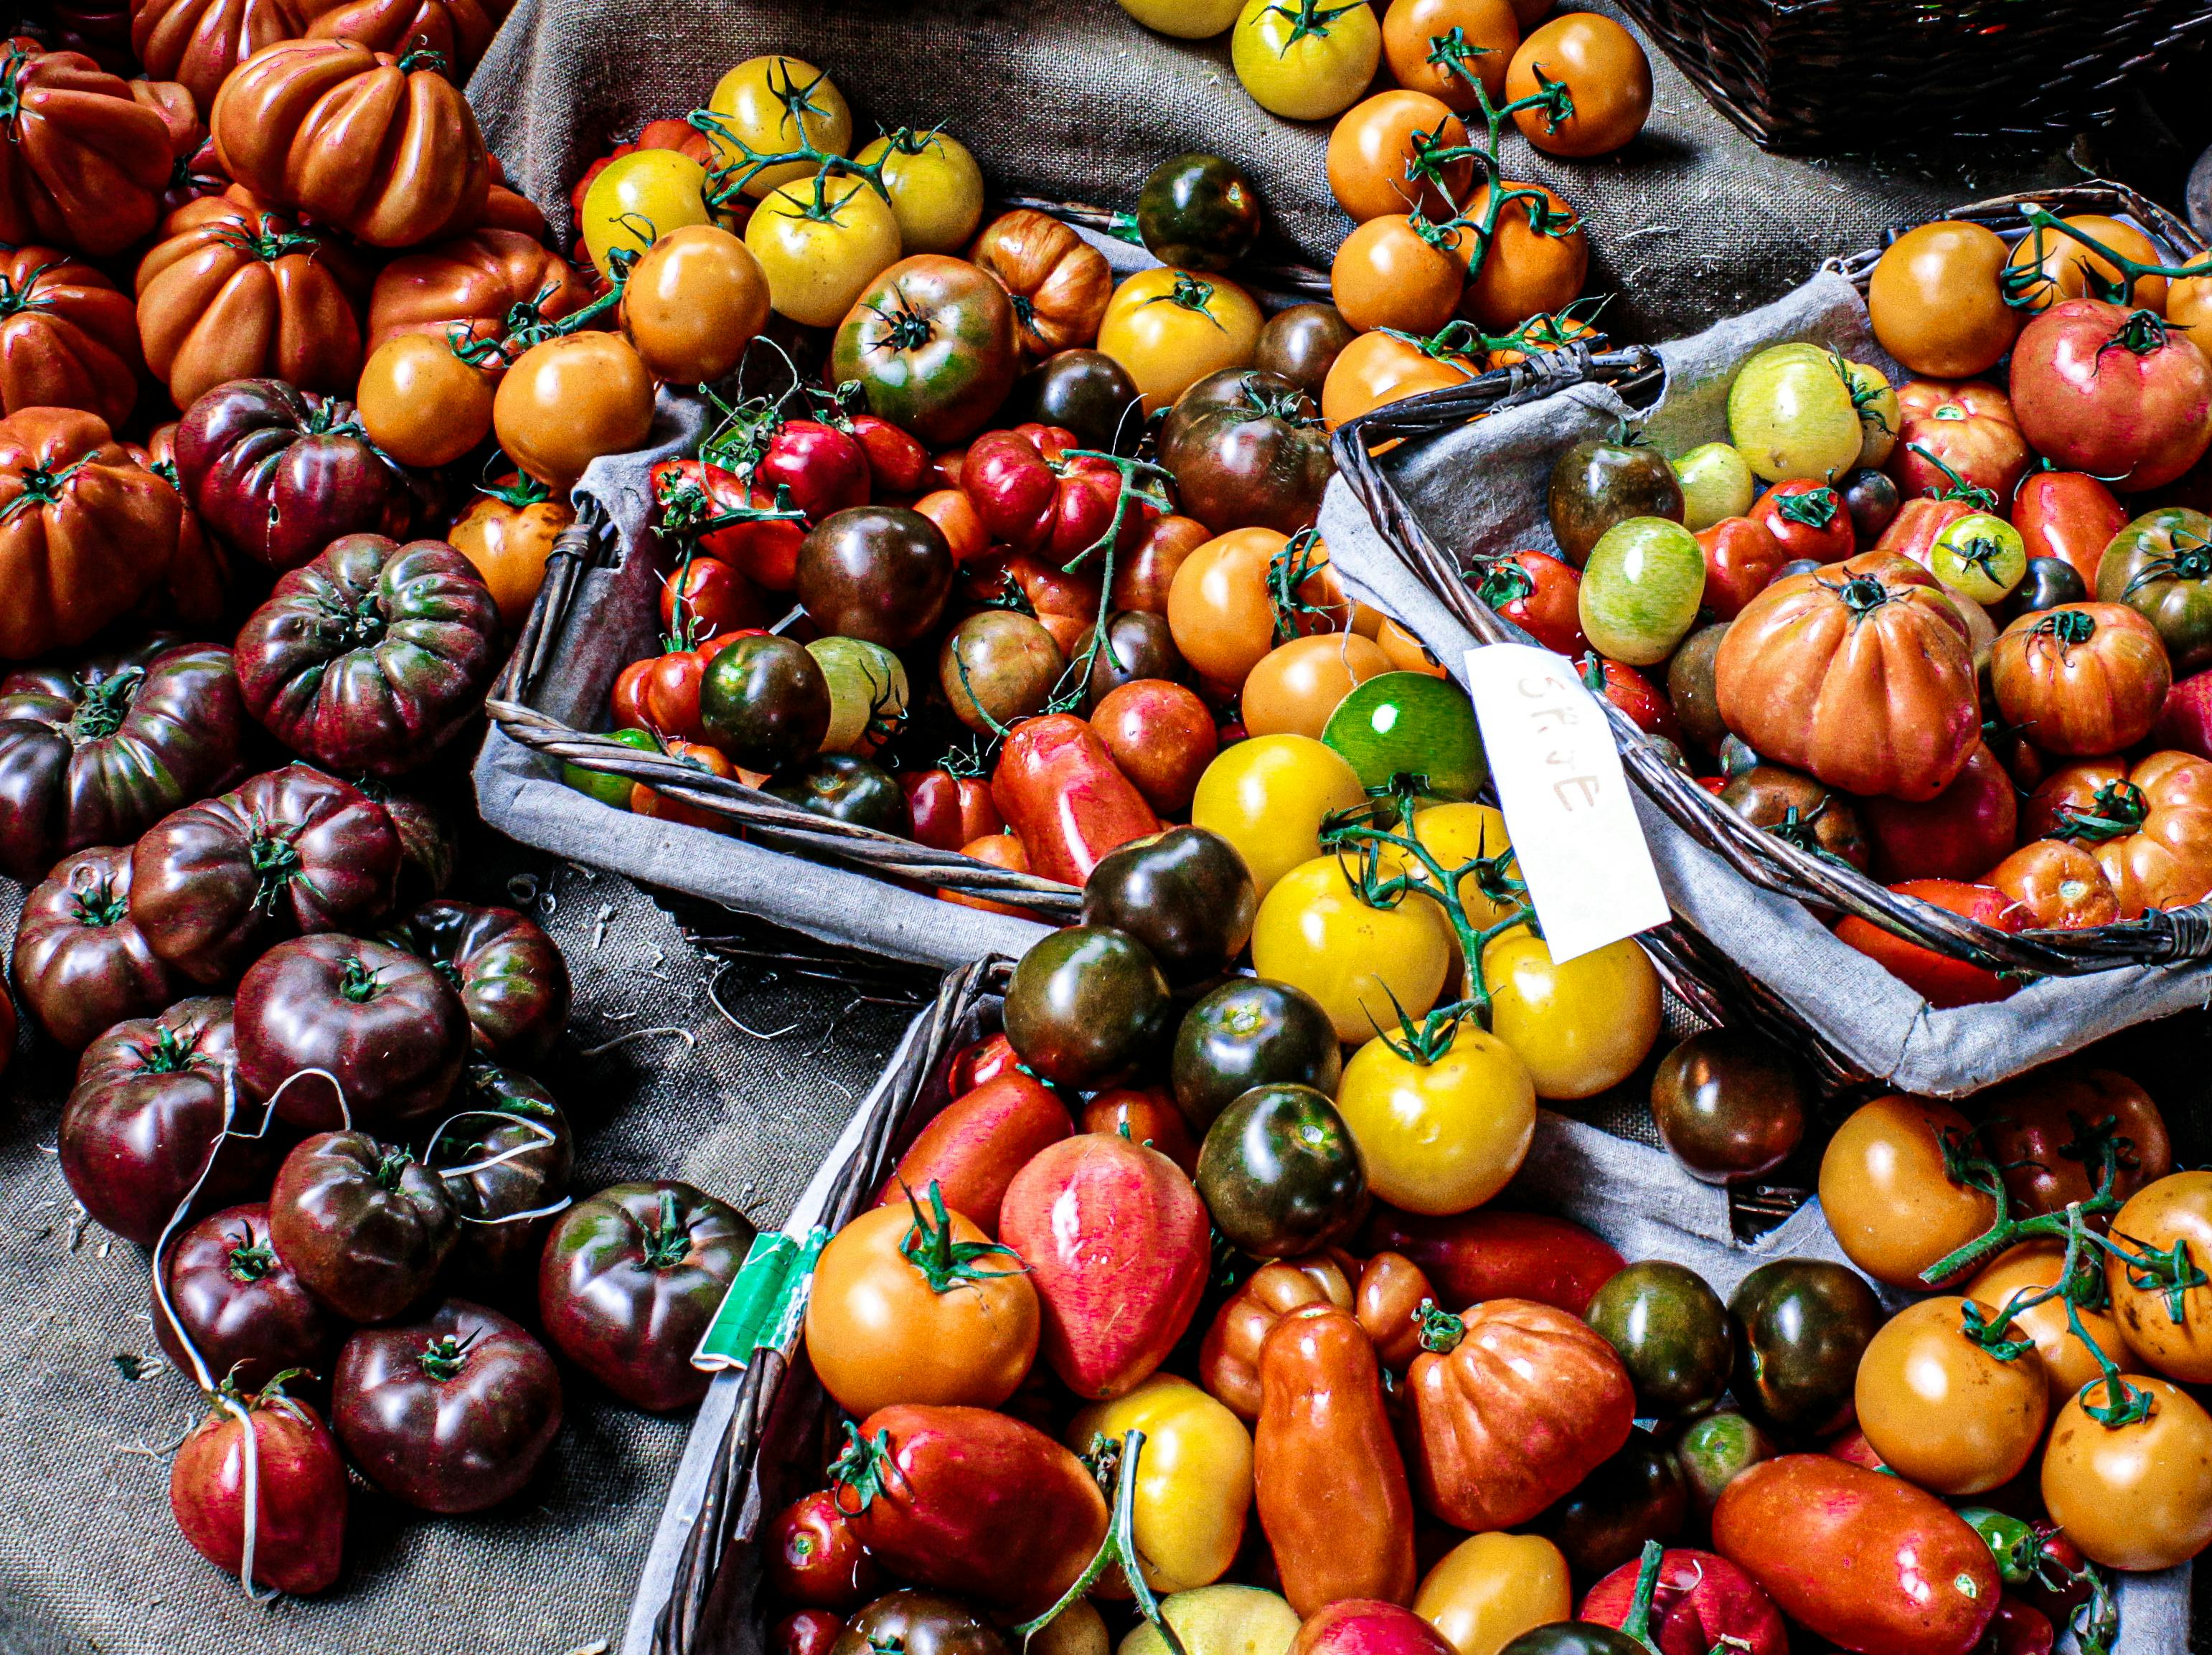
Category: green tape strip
<point>754,1296</point>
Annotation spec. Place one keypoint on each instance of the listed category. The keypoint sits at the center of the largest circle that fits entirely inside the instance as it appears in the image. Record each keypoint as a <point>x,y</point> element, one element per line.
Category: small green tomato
<point>867,692</point>
<point>1716,485</point>
<point>1641,589</point>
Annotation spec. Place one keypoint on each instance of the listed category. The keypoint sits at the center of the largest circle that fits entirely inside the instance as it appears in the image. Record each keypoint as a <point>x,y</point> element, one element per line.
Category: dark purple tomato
<point>846,788</point>
<point>1248,450</point>
<point>249,1317</point>
<point>1730,1105</point>
<point>1301,343</point>
<point>763,703</point>
<point>881,573</point>
<point>1634,1496</point>
<point>2047,582</point>
<point>147,1108</point>
<point>450,1414</point>
<point>362,1223</point>
<point>1085,391</point>
<point>1872,499</point>
<point>1137,644</point>
<point>513,980</point>
<point>337,1031</point>
<point>806,1632</point>
<point>505,1156</point>
<point>80,966</point>
<point>921,1623</point>
<point>630,1281</point>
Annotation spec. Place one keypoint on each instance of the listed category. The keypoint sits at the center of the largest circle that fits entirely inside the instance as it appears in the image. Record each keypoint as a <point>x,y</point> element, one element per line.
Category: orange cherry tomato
<point>509,541</point>
<point>2068,1364</point>
<point>1294,687</point>
<point>2060,884</point>
<point>1376,369</point>
<point>1605,72</point>
<point>1888,1196</point>
<point>567,401</point>
<point>1405,652</point>
<point>2138,1497</point>
<point>2175,1212</point>
<point>1394,273</point>
<point>1414,31</point>
<point>1374,148</point>
<point>1000,850</point>
<point>421,403</point>
<point>2067,268</point>
<point>644,802</point>
<point>693,304</point>
<point>1941,1411</point>
<point>1536,262</point>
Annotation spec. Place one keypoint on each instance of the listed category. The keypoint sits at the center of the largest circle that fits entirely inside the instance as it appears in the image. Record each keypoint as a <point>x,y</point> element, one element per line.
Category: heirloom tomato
<point>1162,736</point>
<point>1371,156</point>
<point>1807,520</point>
<point>927,1623</point>
<point>1059,791</point>
<point>1198,212</point>
<point>1640,590</point>
<point>2061,885</point>
<point>1248,450</point>
<point>2046,1130</point>
<point>512,981</point>
<point>1980,556</point>
<point>2169,1329</point>
<point>1490,1588</point>
<point>1085,1006</point>
<point>868,693</point>
<point>1888,1191</point>
<point>1294,688</point>
<point>84,163</point>
<point>1363,963</point>
<point>1801,1327</point>
<point>1791,415</point>
<point>1600,482</point>
<point>1608,81</point>
<point>1187,20</point>
<point>772,106</point>
<point>298,1485</point>
<point>2082,678</point>
<point>81,967</point>
<point>1960,834</point>
<point>1936,301</point>
<point>1800,811</point>
<point>910,1303</point>
<point>2112,392</point>
<point>506,1155</point>
<point>936,188</point>
<point>1971,428</point>
<point>1171,327</point>
<point>1741,559</point>
<point>2027,1270</point>
<point>1700,1602</point>
<point>2135,1497</point>
<point>931,342</point>
<point>1539,593</point>
<point>1059,282</point>
<point>1714,1451</point>
<point>693,303</point>
<point>1184,894</point>
<point>1581,1026</point>
<point>1251,1032</point>
<point>811,1556</point>
<point>1031,495</point>
<point>1943,1410</point>
<point>1229,1356</point>
<point>1488,1253</point>
<point>1194,1478</point>
<point>1378,368</point>
<point>2068,515</point>
<point>421,403</point>
<point>973,1148</point>
<point>2160,565</point>
<point>1939,978</point>
<point>1280,1174</point>
<point>1717,484</point>
<point>249,1317</point>
<point>1671,1332</point>
<point>362,1223</point>
<point>1729,1104</point>
<point>878,572</point>
<point>1307,61</point>
<point>2150,828</point>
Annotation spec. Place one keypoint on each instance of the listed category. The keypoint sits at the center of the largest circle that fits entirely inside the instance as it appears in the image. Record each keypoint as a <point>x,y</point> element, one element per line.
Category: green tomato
<point>1716,485</point>
<point>609,790</point>
<point>1640,592</point>
<point>1409,723</point>
<point>1981,555</point>
<point>1880,417</point>
<point>1220,1621</point>
<point>867,692</point>
<point>1790,413</point>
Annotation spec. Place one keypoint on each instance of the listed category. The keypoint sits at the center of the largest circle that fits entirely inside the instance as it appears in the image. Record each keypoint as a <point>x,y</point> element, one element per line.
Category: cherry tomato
<point>2175,1212</point>
<point>937,190</point>
<point>2137,1497</point>
<point>1979,554</point>
<point>1394,272</point>
<point>1267,796</point>
<point>1806,520</point>
<point>693,303</point>
<point>421,403</point>
<point>645,802</point>
<point>772,106</point>
<point>818,260</point>
<point>1193,1481</point>
<point>1439,1136</point>
<point>1539,593</point>
<point>1171,327</point>
<point>1935,302</point>
<point>1742,557</point>
<point>1415,36</point>
<point>1378,368</point>
<point>1221,606</point>
<point>954,514</point>
<point>1581,1026</point>
<point>1940,1410</point>
<point>1373,150</point>
<point>1605,72</point>
<point>1296,686</point>
<point>703,596</point>
<point>1315,931</point>
<point>567,401</point>
<point>2064,267</point>
<point>1535,262</point>
<point>1305,60</point>
<point>1888,1196</point>
<point>638,198</point>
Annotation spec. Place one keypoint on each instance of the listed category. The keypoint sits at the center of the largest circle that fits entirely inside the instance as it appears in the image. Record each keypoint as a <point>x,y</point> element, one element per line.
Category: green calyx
<point>97,907</point>
<point>667,1243</point>
<point>944,1263</point>
<point>275,862</point>
<point>167,1055</point>
<point>104,704</point>
<point>1503,583</point>
<point>2069,626</point>
<point>1441,1330</point>
<point>391,1167</point>
<point>1311,17</point>
<point>18,296</point>
<point>250,1257</point>
<point>1956,487</point>
<point>1189,292</point>
<point>2115,810</point>
<point>859,1468</point>
<point>1815,508</point>
<point>444,1357</point>
<point>357,980</point>
<point>1862,594</point>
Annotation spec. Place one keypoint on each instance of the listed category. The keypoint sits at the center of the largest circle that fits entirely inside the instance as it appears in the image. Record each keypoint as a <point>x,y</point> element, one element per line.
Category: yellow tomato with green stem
<point>1194,1477</point>
<point>1582,1026</point>
<point>1458,834</point>
<point>821,241</point>
<point>1441,1130</point>
<point>1306,60</point>
<point>639,197</point>
<point>1171,327</point>
<point>776,106</point>
<point>1490,1588</point>
<point>1187,19</point>
<point>1366,963</point>
<point>936,188</point>
<point>1268,797</point>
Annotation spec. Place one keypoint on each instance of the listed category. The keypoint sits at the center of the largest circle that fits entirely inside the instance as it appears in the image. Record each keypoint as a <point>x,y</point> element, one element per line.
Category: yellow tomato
<point>1172,328</point>
<point>1194,1477</point>
<point>1363,964</point>
<point>937,190</point>
<point>1440,1138</point>
<point>639,197</point>
<point>1187,19</point>
<point>819,261</point>
<point>1220,1621</point>
<point>1296,686</point>
<point>1581,1026</point>
<point>774,105</point>
<point>1490,1588</point>
<point>1305,60</point>
<point>1267,796</point>
<point>1455,835</point>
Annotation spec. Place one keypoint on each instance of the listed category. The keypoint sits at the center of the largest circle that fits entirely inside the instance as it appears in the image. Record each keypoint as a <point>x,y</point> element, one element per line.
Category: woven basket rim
<point>2159,937</point>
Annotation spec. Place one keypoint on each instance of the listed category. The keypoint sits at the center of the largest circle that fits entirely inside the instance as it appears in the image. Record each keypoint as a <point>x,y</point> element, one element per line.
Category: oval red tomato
<point>1938,978</point>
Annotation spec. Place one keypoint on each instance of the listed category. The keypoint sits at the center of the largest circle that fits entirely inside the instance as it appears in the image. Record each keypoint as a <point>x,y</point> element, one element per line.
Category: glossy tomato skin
<point>2068,515</point>
<point>1250,1031</point>
<point>974,1146</point>
<point>1781,801</point>
<point>630,1281</point>
<point>1033,498</point>
<point>81,967</point>
<point>1492,1254</point>
<point>1742,556</point>
<point>1672,1333</point>
<point>96,752</point>
<point>879,573</point>
<point>1281,1173</point>
<point>1701,1600</point>
<point>1938,978</point>
<point>249,1317</point>
<point>2041,1129</point>
<point>1636,1496</point>
<point>362,1223</point>
<point>949,811</point>
<point>1800,1326</point>
<point>2160,565</point>
<point>1942,1411</point>
<point>299,1485</point>
<point>513,980</point>
<point>2112,392</point>
<point>2175,1212</point>
<point>1229,1356</point>
<point>146,1109</point>
<point>813,1558</point>
<point>451,1413</point>
<point>974,1502</point>
<point>510,1130</point>
<point>923,1622</point>
<point>931,342</point>
<point>2134,1498</point>
<point>1087,1007</point>
<point>1248,450</point>
<point>1186,896</point>
<point>1117,1244</point>
<point>1971,427</point>
<point>1865,1559</point>
<point>1960,834</point>
<point>1162,736</point>
<point>1729,1104</point>
<point>1806,520</point>
<point>1599,483</point>
<point>1539,593</point>
<point>1057,787</point>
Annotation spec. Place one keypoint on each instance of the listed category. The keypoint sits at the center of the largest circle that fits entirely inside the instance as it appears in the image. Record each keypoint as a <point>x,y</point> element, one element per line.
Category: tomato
<point>1959,835</point>
<point>704,596</point>
<point>1294,688</point>
<point>2173,1334</point>
<point>1936,303</point>
<point>693,303</point>
<point>1171,327</point>
<point>1220,1620</point>
<point>1889,1195</point>
<point>1979,554</point>
<point>868,693</point>
<point>1717,484</point>
<point>1607,76</point>
<point>2082,678</point>
<point>1641,589</point>
<point>1490,1588</point>
<point>1194,1477</point>
<point>819,258</point>
<point>2161,855</point>
<point>2051,266</point>
<point>1443,47</point>
<point>1440,1138</point>
<point>1537,260</point>
<point>1581,1026</point>
<point>1373,149</point>
<point>645,802</point>
<point>936,187</point>
<point>1392,271</point>
<point>1187,19</point>
<point>1806,520</point>
<point>1267,796</point>
<point>772,106</point>
<point>639,197</point>
<point>567,401</point>
<point>2113,392</point>
<point>1378,368</point>
<point>1729,1105</point>
<point>1306,60</point>
<point>2068,515</point>
<point>1940,1410</point>
<point>931,343</point>
<point>507,532</point>
<point>2139,1497</point>
<point>2061,885</point>
<point>2068,1363</point>
<point>912,1305</point>
<point>1939,978</point>
<point>1221,604</point>
<point>1603,482</point>
<point>421,403</point>
<point>1866,1560</point>
<point>1315,932</point>
<point>1742,557</point>
<point>1791,415</point>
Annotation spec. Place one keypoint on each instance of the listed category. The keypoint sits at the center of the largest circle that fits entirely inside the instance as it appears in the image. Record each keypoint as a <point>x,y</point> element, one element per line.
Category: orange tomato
<point>1537,259</point>
<point>2065,266</point>
<point>1376,369</point>
<point>567,401</point>
<point>1296,686</point>
<point>1389,273</point>
<point>1413,29</point>
<point>644,802</point>
<point>1000,850</point>
<point>509,544</point>
<point>2068,1363</point>
<point>1374,146</point>
<point>1888,1195</point>
<point>1605,72</point>
<point>1942,1411</point>
<point>421,403</point>
<point>1405,651</point>
<point>1221,608</point>
<point>1936,302</point>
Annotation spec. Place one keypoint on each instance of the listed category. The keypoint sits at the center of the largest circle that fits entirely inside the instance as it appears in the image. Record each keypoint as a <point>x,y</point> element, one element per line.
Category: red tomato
<point>1808,519</point>
<point>1911,533</point>
<point>2184,723</point>
<point>1539,593</point>
<point>714,597</point>
<point>1961,834</point>
<point>661,692</point>
<point>812,1557</point>
<point>2068,515</point>
<point>1059,791</point>
<point>1492,1254</point>
<point>897,464</point>
<point>1741,555</point>
<point>1701,1602</point>
<point>1969,427</point>
<point>826,468</point>
<point>2101,388</point>
<point>1937,978</point>
<point>1633,693</point>
<point>806,1632</point>
<point>954,514</point>
<point>1866,1560</point>
<point>1147,1115</point>
<point>644,802</point>
<point>1033,499</point>
<point>694,493</point>
<point>949,810</point>
<point>976,1144</point>
<point>989,1058</point>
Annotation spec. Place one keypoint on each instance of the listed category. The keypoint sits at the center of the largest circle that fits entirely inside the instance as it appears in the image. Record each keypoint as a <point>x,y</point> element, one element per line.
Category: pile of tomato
<point>1186,1280</point>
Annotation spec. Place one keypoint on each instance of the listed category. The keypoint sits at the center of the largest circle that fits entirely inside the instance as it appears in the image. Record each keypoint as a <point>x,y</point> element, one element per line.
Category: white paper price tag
<point>1566,802</point>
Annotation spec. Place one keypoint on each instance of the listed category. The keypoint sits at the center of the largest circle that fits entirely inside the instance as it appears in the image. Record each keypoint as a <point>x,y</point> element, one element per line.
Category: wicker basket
<point>1770,863</point>
<point>1814,75</point>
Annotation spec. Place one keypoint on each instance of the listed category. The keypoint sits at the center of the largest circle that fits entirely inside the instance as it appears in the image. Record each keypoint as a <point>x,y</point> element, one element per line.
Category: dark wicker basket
<point>1814,75</point>
<point>1770,863</point>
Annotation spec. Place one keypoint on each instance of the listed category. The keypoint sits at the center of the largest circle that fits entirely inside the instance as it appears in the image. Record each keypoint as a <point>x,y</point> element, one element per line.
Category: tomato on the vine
<point>1581,1026</point>
<point>771,107</point>
<point>1442,1135</point>
<point>639,197</point>
<point>1887,1186</point>
<point>936,187</point>
<point>1171,327</point>
<point>1316,931</point>
<point>1606,77</point>
<point>1806,520</point>
<point>821,241</point>
<point>1305,60</point>
<point>1395,271</point>
<point>1378,368</point>
<point>1537,258</point>
<point>2134,1496</point>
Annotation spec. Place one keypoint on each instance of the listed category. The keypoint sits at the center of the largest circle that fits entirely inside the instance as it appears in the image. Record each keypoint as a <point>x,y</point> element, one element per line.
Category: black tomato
<point>365,1225</point>
<point>1574,1637</point>
<point>1634,1496</point>
<point>1729,1104</point>
<point>1672,1332</point>
<point>881,573</point>
<point>2049,582</point>
<point>1800,1326</point>
<point>1198,213</point>
<point>1248,450</point>
<point>1248,1033</point>
<point>1302,344</point>
<point>1796,807</point>
<point>248,1316</point>
<point>1185,894</point>
<point>920,1623</point>
<point>1088,1007</point>
<point>1085,391</point>
<point>1281,1172</point>
<point>1138,645</point>
<point>765,703</point>
<point>846,788</point>
<point>502,1112</point>
<point>1693,686</point>
<point>1872,499</point>
<point>1601,482</point>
